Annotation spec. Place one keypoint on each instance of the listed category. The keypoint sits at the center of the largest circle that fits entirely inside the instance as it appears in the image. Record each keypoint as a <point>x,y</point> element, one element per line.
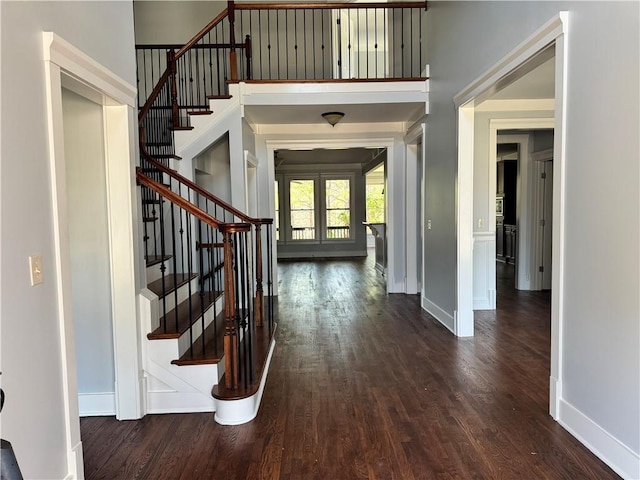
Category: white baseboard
<point>443,317</point>
<point>97,404</point>
<point>624,461</point>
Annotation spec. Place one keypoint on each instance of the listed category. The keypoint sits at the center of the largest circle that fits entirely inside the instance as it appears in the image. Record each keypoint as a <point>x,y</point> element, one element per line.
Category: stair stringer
<point>171,388</point>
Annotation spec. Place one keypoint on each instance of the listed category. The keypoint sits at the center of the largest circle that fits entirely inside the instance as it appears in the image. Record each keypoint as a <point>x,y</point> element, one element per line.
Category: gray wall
<point>89,243</point>
<point>35,424</point>
<point>601,364</point>
<point>172,21</point>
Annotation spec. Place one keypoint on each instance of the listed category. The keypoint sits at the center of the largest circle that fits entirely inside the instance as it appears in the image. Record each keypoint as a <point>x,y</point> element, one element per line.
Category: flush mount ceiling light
<point>333,117</point>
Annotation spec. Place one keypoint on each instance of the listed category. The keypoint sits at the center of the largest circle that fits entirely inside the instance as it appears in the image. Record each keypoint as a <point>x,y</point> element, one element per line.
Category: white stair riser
<point>169,302</point>
<point>184,340</point>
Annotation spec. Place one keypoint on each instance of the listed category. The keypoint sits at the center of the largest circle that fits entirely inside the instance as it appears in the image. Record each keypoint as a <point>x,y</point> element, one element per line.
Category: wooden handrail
<point>326,6</point>
<point>200,35</point>
<point>177,46</point>
<point>201,191</point>
<point>173,197</point>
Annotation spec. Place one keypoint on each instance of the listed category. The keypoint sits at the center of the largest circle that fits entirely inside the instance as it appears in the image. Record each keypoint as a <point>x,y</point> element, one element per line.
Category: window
<point>302,209</point>
<point>315,208</point>
<point>337,208</point>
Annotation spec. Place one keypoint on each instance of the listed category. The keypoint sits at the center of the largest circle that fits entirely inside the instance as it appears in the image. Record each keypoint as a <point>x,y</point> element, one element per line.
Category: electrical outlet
<point>35,268</point>
<point>480,223</point>
<point>428,224</point>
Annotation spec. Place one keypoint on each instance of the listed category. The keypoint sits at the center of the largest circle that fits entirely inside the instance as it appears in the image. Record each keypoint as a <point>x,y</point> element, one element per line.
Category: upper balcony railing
<point>334,41</point>
<point>290,42</point>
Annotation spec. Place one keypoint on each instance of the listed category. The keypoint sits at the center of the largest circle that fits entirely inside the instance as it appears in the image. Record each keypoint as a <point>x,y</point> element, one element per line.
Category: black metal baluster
<point>350,72</point>
<point>322,46</point>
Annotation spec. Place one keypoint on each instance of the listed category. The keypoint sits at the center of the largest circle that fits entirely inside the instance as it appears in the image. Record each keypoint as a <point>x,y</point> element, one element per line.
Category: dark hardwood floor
<point>365,385</point>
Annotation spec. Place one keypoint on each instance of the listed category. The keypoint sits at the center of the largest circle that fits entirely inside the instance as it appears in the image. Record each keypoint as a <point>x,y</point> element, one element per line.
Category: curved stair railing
<point>205,252</point>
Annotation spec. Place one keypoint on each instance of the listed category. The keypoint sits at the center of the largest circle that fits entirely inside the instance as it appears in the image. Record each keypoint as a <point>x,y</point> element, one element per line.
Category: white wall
<point>213,171</point>
<point>33,418</point>
<point>89,244</point>
<point>601,332</point>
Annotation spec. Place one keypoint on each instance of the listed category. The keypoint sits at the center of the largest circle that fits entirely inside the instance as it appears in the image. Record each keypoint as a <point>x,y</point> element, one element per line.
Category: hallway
<point>365,385</point>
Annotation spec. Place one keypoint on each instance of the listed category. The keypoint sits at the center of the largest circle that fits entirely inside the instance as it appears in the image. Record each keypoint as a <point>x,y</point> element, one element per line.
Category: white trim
<point>412,197</point>
<point>544,36</point>
<point>554,30</point>
<point>464,324</point>
<point>558,240</point>
<point>120,153</point>
<point>621,458</point>
<point>63,59</point>
<point>97,404</point>
<point>237,412</point>
<point>86,70</point>
<point>439,314</point>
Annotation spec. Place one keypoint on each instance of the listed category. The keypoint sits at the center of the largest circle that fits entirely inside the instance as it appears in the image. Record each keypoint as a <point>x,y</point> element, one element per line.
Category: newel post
<point>233,60</point>
<point>175,112</point>
<point>230,327</point>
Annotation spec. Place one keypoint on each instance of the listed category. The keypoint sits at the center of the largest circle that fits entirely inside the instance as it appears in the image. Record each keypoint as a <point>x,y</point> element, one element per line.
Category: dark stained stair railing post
<point>233,60</point>
<point>175,110</point>
<point>230,324</point>
<point>259,305</point>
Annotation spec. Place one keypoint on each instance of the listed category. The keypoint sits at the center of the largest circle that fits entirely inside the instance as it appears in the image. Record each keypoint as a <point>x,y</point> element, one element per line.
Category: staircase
<point>207,324</point>
<point>208,310</point>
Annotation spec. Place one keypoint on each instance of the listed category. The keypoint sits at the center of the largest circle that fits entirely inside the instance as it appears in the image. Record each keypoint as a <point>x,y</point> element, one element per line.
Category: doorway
<point>68,67</point>
<point>88,231</point>
<point>520,61</point>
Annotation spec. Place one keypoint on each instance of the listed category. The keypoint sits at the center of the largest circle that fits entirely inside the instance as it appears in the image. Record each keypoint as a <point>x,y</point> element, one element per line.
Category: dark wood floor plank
<point>365,385</point>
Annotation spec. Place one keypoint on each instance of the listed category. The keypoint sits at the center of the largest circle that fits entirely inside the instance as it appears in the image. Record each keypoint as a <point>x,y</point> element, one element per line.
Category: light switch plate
<point>35,268</point>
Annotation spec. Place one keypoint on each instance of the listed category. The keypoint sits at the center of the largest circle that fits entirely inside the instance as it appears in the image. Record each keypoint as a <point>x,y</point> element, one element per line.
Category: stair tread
<point>199,305</point>
<point>219,97</point>
<point>171,282</point>
<point>213,349</point>
<point>155,259</point>
<point>199,112</point>
<point>178,128</point>
<point>260,354</point>
<point>166,155</point>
